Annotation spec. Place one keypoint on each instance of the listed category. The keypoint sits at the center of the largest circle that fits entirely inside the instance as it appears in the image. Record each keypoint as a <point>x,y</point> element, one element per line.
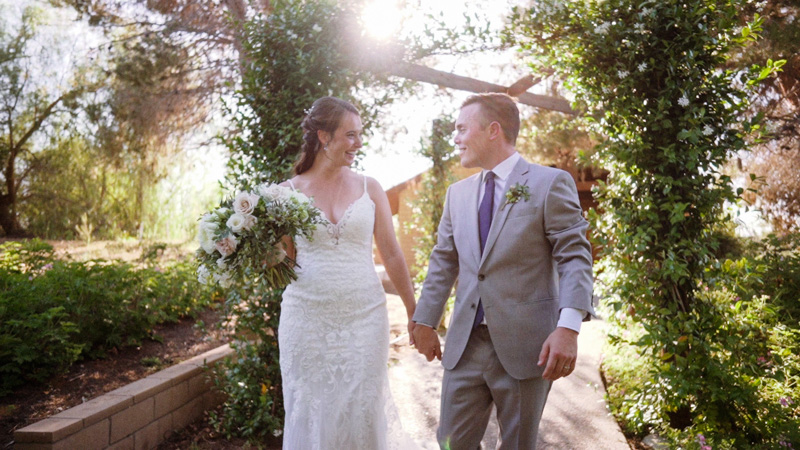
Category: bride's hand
<point>411,325</point>
<point>276,256</point>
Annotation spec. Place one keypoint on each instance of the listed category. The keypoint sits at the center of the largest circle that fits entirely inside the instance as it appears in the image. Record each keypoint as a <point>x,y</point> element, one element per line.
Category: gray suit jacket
<point>536,261</point>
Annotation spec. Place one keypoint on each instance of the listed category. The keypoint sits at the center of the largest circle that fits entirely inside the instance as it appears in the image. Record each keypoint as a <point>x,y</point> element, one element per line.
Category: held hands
<point>411,326</point>
<point>427,341</point>
<point>559,352</point>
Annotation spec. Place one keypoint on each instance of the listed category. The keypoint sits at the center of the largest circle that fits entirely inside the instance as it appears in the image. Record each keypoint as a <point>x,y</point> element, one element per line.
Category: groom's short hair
<point>500,108</point>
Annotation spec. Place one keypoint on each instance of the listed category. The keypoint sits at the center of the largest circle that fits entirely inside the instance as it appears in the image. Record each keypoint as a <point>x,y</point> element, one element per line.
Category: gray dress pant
<point>477,381</point>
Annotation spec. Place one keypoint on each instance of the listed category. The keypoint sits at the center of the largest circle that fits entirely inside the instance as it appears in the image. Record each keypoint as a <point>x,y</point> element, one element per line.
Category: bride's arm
<point>389,249</point>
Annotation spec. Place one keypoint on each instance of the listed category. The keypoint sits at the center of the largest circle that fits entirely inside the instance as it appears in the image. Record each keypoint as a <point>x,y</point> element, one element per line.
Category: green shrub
<point>54,312</point>
<point>736,364</point>
<point>251,377</point>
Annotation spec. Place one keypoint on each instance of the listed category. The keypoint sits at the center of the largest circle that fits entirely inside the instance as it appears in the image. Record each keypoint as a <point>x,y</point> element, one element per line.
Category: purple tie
<point>484,223</point>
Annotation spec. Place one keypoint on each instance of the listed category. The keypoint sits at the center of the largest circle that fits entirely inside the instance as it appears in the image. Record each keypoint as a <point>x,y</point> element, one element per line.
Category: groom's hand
<point>427,342</point>
<point>559,352</point>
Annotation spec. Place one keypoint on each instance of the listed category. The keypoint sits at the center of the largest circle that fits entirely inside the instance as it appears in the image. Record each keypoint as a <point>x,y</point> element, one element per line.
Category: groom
<point>514,237</point>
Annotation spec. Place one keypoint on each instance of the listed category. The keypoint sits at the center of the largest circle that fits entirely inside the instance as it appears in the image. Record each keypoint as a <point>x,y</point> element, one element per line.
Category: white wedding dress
<point>334,342</point>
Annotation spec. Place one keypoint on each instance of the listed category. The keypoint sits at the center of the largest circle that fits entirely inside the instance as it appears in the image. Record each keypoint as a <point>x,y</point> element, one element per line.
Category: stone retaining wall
<point>136,416</point>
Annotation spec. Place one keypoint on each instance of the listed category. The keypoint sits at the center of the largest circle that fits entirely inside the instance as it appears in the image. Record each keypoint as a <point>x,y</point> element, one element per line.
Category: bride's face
<point>346,140</point>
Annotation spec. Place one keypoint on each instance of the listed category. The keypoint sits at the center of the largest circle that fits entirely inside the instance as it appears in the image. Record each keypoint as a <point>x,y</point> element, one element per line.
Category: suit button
<point>481,277</point>
<point>472,306</point>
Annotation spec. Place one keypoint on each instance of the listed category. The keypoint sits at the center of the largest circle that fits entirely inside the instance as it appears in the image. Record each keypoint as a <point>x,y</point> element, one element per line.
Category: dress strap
<point>365,183</point>
<point>291,184</point>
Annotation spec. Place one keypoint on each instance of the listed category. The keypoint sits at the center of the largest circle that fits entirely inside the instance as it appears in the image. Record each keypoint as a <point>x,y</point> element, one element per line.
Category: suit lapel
<point>520,169</point>
<point>471,216</point>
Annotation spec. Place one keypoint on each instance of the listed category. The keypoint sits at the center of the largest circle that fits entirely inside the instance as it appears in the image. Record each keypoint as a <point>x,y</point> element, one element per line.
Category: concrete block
<point>187,414</point>
<point>171,399</point>
<point>147,437</point>
<point>165,427</point>
<point>132,419</point>
<point>142,389</point>
<point>177,373</point>
<point>199,385</point>
<point>18,446</point>
<point>97,409</point>
<point>211,357</point>
<point>125,444</point>
<point>94,436</point>
<point>48,430</point>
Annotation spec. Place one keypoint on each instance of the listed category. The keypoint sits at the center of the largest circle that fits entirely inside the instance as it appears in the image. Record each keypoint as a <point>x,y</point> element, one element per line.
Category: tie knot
<point>489,176</point>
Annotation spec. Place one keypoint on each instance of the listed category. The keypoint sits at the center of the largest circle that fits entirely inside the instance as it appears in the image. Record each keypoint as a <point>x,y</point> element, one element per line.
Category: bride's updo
<point>325,114</point>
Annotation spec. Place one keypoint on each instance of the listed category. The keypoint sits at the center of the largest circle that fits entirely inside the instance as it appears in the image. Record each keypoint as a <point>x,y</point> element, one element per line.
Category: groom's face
<point>472,137</point>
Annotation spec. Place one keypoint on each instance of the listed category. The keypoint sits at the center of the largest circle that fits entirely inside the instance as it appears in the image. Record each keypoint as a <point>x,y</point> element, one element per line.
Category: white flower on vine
<point>622,74</point>
<point>606,90</point>
<point>316,28</point>
<point>639,27</point>
<point>646,12</point>
<point>642,67</point>
<point>707,130</point>
<point>602,28</point>
<point>683,101</point>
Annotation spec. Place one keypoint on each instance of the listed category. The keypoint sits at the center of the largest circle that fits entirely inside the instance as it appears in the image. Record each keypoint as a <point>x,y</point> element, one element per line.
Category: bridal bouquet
<point>241,239</point>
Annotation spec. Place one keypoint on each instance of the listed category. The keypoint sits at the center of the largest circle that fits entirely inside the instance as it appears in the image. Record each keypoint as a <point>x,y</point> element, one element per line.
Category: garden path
<point>575,417</point>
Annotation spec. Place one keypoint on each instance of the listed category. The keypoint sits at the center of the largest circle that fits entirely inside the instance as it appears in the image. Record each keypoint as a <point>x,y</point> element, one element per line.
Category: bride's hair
<point>325,114</point>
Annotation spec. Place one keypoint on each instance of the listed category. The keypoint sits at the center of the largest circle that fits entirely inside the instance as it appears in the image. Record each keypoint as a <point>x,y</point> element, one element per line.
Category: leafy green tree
<point>650,76</point>
<point>29,104</point>
<point>428,206</point>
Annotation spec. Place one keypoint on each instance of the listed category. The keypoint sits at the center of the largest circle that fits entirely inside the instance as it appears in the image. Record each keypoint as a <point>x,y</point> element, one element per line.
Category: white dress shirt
<point>569,317</point>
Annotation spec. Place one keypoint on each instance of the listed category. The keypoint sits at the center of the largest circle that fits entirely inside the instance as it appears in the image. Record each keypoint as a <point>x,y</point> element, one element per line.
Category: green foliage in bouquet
<point>648,75</point>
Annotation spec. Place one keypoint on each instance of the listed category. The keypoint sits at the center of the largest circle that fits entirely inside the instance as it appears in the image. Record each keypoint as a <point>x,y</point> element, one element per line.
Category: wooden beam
<point>522,85</point>
<point>427,75</point>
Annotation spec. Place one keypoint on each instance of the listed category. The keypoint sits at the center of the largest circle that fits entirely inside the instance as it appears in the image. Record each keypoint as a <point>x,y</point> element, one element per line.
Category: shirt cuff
<point>421,323</point>
<point>571,318</point>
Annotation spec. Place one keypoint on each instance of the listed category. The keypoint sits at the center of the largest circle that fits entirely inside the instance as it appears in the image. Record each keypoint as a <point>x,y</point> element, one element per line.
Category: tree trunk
<point>8,218</point>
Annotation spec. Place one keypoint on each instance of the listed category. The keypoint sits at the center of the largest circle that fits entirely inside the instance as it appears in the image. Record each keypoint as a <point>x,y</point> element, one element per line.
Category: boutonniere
<point>517,192</point>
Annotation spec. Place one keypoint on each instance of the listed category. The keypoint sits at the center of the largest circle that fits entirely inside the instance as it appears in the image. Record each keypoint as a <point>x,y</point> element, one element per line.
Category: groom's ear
<point>495,130</point>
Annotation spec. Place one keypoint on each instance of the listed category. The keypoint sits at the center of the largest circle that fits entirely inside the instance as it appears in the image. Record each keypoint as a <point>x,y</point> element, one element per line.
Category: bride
<point>334,330</point>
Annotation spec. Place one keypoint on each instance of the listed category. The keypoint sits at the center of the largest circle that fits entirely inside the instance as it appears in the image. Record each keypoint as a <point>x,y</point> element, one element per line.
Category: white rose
<point>236,222</point>
<point>249,221</point>
<point>202,274</point>
<point>300,197</point>
<point>221,263</point>
<point>226,245</point>
<point>245,203</point>
<point>274,192</point>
